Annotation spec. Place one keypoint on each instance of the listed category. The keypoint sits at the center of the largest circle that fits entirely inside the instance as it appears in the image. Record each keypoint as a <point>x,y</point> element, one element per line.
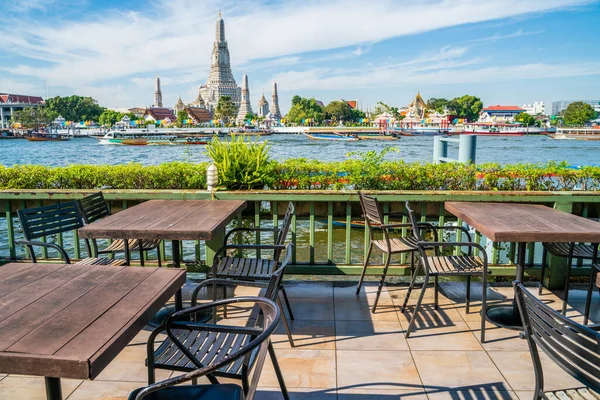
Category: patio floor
<point>345,352</point>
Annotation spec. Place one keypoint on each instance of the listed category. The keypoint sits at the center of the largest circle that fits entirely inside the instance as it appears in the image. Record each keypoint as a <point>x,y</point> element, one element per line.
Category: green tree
<point>578,113</point>
<point>438,105</point>
<point>526,119</point>
<point>467,107</point>
<point>339,111</point>
<point>304,109</point>
<point>110,117</point>
<point>75,108</point>
<point>249,117</point>
<point>381,108</point>
<point>181,116</point>
<point>33,117</point>
<point>226,109</point>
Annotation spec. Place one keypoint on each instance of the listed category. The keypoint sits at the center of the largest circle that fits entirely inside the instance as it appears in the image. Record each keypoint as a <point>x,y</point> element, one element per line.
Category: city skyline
<point>511,53</point>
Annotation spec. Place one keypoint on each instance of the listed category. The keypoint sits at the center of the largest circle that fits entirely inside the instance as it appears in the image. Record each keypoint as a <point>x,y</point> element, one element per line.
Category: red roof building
<point>198,114</point>
<point>6,98</point>
<point>352,103</point>
<point>499,114</point>
<point>9,103</point>
<point>159,114</point>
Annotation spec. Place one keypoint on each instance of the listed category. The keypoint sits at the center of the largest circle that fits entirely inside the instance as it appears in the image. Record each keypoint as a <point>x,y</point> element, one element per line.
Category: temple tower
<point>263,107</point>
<point>179,106</point>
<point>245,106</point>
<point>274,110</point>
<point>157,94</point>
<point>220,80</point>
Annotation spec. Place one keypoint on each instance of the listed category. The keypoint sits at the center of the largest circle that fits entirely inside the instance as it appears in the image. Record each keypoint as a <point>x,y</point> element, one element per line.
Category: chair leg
<point>567,284</point>
<point>412,264</point>
<point>158,256</point>
<point>287,302</point>
<point>388,258</point>
<point>588,300</point>
<point>286,325</point>
<point>410,287</point>
<point>436,289</point>
<point>417,306</point>
<point>224,297</point>
<point>542,272</point>
<point>468,302</point>
<point>483,305</point>
<point>284,391</point>
<point>364,271</point>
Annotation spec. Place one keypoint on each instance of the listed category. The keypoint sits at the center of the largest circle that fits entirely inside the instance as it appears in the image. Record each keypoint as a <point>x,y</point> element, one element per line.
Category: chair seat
<point>456,265</point>
<point>573,394</point>
<point>194,392</point>
<point>560,249</point>
<point>101,261</point>
<point>255,268</point>
<point>208,347</point>
<point>397,245</point>
<point>134,244</point>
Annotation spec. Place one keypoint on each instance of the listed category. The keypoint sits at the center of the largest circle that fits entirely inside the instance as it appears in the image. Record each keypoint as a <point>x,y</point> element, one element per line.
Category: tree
<point>381,108</point>
<point>438,105</point>
<point>339,111</point>
<point>226,109</point>
<point>110,117</point>
<point>467,107</point>
<point>33,117</point>
<point>526,119</point>
<point>578,113</point>
<point>304,109</point>
<point>75,108</point>
<point>181,116</point>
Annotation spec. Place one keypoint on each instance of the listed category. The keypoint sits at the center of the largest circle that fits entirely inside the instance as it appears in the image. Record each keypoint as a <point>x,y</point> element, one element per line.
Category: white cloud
<point>174,37</point>
<point>498,36</point>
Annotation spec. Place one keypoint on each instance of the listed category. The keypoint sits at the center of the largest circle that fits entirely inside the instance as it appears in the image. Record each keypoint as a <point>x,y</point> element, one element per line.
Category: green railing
<point>322,246</point>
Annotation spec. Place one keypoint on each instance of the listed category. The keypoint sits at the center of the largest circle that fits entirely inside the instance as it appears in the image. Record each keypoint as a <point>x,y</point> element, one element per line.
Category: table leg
<point>212,246</point>
<point>507,316</point>
<point>127,254</point>
<point>141,253</point>
<point>177,264</point>
<point>53,389</point>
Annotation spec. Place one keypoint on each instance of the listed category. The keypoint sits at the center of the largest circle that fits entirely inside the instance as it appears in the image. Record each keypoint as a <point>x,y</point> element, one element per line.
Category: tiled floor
<point>345,352</point>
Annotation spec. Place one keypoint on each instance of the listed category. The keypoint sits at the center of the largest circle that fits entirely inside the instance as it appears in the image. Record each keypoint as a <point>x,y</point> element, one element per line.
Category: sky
<point>508,52</point>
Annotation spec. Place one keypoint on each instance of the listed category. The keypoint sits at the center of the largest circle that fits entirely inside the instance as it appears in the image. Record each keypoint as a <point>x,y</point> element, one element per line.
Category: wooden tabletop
<point>70,321</point>
<point>513,222</point>
<point>167,220</point>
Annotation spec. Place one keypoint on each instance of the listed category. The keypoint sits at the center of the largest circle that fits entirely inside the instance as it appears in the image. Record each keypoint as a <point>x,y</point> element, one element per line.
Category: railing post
<point>467,148</point>
<point>557,265</point>
<point>440,149</point>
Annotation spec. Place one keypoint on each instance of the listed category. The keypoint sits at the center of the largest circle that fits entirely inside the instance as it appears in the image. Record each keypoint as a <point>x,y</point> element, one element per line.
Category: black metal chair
<point>374,218</point>
<point>51,220</point>
<point>594,281</point>
<point>200,339</point>
<point>574,347</point>
<point>231,349</point>
<point>93,208</point>
<point>254,269</point>
<point>437,265</point>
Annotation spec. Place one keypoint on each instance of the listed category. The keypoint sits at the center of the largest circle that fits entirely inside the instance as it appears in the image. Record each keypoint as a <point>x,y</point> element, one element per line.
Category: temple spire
<point>274,110</point>
<point>220,37</point>
<point>157,94</point>
<point>245,106</point>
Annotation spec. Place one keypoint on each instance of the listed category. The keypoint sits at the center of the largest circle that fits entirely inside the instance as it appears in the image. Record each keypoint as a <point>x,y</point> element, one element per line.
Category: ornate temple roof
<point>160,113</point>
<point>199,114</point>
<point>262,101</point>
<point>179,106</point>
<point>418,102</point>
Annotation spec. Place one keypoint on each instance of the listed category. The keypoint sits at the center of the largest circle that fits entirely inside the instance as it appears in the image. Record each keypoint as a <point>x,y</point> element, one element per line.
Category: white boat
<point>577,134</point>
<point>143,137</point>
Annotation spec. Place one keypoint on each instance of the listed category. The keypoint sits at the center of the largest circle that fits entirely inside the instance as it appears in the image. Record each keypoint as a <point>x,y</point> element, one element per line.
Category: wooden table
<point>70,321</point>
<point>173,220</point>
<point>522,224</point>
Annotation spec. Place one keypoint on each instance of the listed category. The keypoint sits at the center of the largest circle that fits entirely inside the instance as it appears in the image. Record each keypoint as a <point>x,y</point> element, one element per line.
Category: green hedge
<point>303,174</point>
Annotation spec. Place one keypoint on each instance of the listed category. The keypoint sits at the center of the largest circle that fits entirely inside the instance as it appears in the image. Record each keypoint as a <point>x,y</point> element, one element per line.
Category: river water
<point>501,149</point>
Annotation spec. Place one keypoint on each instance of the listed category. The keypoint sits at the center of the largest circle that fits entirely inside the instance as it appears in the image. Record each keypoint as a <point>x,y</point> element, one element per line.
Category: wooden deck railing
<point>321,245</point>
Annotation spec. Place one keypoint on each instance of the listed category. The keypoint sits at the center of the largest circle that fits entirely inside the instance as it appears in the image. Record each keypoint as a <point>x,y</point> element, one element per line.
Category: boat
<point>46,137</point>
<point>423,131</point>
<point>332,136</point>
<point>143,137</point>
<point>484,129</point>
<point>592,133</point>
<point>251,130</point>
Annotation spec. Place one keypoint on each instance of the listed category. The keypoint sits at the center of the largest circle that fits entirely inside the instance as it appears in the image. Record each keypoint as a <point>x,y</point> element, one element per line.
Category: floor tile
<point>302,369</point>
<point>313,335</point>
<point>473,393</point>
<point>499,339</point>
<point>368,291</point>
<point>15,387</point>
<point>96,390</point>
<point>388,370</point>
<point>309,289</point>
<point>456,336</point>
<point>375,335</point>
<point>429,317</point>
<point>348,309</point>
<point>312,309</point>
<point>458,369</point>
<point>265,393</point>
<point>129,366</point>
<point>367,393</point>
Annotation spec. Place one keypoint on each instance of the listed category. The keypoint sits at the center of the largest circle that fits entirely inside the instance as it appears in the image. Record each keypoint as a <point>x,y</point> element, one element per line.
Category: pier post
<point>440,149</point>
<point>467,149</point>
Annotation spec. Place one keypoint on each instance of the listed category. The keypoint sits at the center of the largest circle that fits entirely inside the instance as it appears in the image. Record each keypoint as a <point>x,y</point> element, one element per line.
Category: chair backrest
<point>50,220</point>
<point>574,347</point>
<point>371,211</point>
<point>277,276</point>
<point>285,228</point>
<point>93,207</point>
<point>416,232</point>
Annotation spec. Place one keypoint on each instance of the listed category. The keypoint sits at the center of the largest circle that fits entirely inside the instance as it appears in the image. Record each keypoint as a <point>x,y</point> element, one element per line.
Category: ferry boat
<point>47,137</point>
<point>332,136</point>
<point>493,130</point>
<point>251,130</point>
<point>577,133</point>
<point>423,131</point>
<point>143,137</point>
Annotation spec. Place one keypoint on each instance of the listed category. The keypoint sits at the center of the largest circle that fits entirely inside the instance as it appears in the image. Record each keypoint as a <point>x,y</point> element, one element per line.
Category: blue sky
<point>504,51</point>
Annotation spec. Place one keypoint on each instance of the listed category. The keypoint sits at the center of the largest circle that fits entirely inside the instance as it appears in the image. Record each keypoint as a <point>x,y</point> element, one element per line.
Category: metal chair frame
<point>50,220</point>
<point>252,354</point>
<point>423,247</point>
<point>574,347</point>
<point>271,293</point>
<point>94,208</point>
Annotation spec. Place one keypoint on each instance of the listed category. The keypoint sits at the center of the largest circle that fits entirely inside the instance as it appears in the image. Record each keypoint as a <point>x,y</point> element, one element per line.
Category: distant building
<point>499,114</point>
<point>560,106</point>
<point>179,106</point>
<point>352,103</point>
<point>9,103</point>
<point>157,94</point>
<point>536,108</point>
<point>159,114</point>
<point>245,106</point>
<point>263,107</point>
<point>199,114</point>
<point>274,111</point>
